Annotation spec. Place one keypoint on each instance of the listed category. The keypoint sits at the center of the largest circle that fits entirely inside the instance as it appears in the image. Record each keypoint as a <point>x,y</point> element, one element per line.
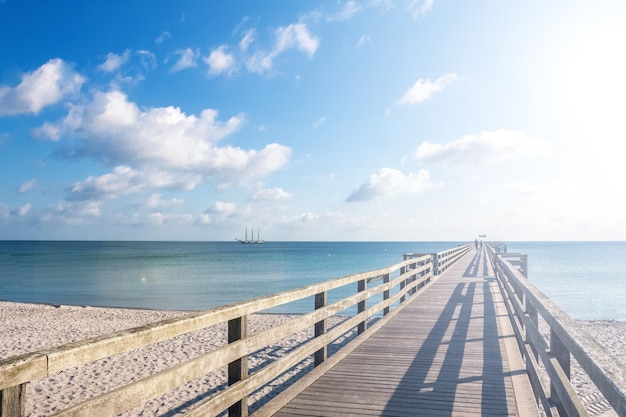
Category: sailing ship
<point>247,241</point>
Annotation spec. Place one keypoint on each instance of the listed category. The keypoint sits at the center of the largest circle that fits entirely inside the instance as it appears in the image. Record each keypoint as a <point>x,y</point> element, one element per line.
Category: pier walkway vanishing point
<point>450,352</point>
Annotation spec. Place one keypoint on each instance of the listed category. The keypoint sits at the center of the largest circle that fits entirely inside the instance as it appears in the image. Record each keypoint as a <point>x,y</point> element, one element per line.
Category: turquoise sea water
<point>587,279</point>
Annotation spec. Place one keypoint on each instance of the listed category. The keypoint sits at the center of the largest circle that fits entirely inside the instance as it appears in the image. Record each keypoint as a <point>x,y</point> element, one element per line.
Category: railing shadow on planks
<point>387,287</point>
<point>525,304</point>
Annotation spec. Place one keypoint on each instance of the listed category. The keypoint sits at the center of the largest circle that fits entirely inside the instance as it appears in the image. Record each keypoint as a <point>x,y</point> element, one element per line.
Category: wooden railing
<point>525,303</point>
<point>392,286</point>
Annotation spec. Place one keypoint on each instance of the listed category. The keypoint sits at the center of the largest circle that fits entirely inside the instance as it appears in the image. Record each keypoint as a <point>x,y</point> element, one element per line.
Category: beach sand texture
<point>30,327</point>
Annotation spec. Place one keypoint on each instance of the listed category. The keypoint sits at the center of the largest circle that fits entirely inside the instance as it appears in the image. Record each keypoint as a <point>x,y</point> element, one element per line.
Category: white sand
<point>30,327</point>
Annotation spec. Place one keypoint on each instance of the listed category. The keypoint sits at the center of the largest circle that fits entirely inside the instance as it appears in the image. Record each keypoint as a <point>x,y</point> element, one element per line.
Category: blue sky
<point>330,120</point>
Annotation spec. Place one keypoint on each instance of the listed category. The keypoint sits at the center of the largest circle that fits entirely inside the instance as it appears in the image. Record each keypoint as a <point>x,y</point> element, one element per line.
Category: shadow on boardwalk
<point>441,355</point>
<point>464,334</point>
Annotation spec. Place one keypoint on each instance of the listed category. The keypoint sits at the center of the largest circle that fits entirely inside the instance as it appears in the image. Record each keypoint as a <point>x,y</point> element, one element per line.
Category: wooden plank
<point>443,354</point>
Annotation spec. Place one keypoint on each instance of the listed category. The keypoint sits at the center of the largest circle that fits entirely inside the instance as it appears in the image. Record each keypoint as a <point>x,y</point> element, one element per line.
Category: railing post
<point>435,264</point>
<point>361,306</point>
<point>12,401</point>
<point>562,355</point>
<point>238,369</point>
<point>524,265</point>
<point>320,328</point>
<point>402,284</point>
<point>386,294</point>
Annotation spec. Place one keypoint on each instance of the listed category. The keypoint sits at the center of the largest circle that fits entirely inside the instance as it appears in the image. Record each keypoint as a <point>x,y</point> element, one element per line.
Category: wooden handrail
<point>401,280</point>
<point>525,303</point>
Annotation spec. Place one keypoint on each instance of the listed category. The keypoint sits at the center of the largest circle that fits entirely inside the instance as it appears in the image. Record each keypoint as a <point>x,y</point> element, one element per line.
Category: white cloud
<point>188,58</point>
<point>114,62</point>
<point>419,7</point>
<point>124,180</point>
<point>222,209</point>
<point>73,213</point>
<point>155,201</point>
<point>162,139</point>
<point>147,59</point>
<point>364,40</point>
<point>47,85</point>
<point>27,185</point>
<point>320,122</point>
<point>162,37</point>
<point>423,89</point>
<point>218,211</point>
<point>389,182</point>
<point>160,218</point>
<point>272,194</point>
<point>23,211</point>
<point>349,9</point>
<point>287,37</point>
<point>220,61</point>
<point>247,40</point>
<point>482,148</point>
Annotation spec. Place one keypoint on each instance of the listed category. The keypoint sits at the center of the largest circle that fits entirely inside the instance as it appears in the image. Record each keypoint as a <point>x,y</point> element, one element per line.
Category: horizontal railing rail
<point>393,285</point>
<point>525,304</point>
<point>444,259</point>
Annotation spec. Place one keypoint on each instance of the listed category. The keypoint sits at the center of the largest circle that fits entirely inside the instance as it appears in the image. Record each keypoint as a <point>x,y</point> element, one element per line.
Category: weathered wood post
<point>12,401</point>
<point>562,355</point>
<point>435,261</point>
<point>402,284</point>
<point>524,265</point>
<point>362,284</point>
<point>386,294</point>
<point>320,328</point>
<point>238,369</point>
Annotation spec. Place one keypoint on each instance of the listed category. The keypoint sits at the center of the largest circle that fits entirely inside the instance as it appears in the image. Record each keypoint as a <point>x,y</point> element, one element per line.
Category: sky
<point>392,120</point>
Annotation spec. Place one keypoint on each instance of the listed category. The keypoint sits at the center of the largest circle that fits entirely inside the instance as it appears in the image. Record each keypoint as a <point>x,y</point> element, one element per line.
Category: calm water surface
<point>587,279</point>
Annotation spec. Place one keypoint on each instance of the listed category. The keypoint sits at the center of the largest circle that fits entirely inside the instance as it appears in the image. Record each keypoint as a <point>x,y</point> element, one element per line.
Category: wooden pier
<point>452,352</point>
<point>453,333</point>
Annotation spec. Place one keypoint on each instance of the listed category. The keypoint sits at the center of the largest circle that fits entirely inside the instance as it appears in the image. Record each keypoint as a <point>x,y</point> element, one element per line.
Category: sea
<point>586,279</point>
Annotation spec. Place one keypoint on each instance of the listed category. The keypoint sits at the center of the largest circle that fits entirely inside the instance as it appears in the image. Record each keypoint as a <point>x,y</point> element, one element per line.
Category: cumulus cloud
<point>187,59</point>
<point>484,147</point>
<point>124,180</point>
<point>423,89</point>
<point>114,62</point>
<point>272,194</point>
<point>47,85</point>
<point>349,10</point>
<point>121,181</point>
<point>389,182</point>
<point>162,139</point>
<point>296,36</point>
<point>161,218</point>
<point>222,209</point>
<point>218,211</point>
<point>155,201</point>
<point>220,61</point>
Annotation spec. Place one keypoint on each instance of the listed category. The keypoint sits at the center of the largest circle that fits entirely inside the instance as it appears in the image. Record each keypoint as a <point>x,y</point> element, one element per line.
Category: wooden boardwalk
<point>449,352</point>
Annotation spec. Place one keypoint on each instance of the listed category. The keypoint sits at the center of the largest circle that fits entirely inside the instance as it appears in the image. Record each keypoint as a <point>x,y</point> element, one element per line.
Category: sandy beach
<point>30,327</point>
